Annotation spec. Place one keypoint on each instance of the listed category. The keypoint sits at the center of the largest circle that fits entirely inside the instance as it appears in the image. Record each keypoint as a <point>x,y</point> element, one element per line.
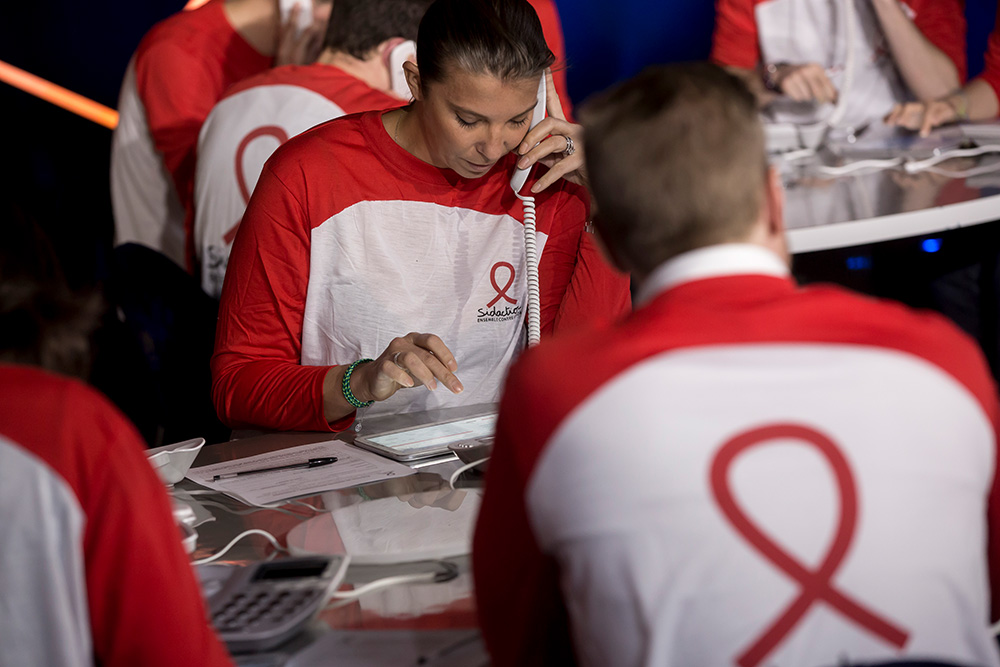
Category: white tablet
<point>427,440</point>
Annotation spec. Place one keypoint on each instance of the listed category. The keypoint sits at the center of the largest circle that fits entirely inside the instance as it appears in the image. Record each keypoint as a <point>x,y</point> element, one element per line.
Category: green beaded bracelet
<point>345,386</point>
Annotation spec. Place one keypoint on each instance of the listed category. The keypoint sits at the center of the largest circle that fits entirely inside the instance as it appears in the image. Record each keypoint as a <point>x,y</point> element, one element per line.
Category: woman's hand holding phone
<point>553,137</point>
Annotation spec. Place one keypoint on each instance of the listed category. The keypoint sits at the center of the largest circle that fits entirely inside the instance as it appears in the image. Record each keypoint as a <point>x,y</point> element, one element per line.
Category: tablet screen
<point>436,435</point>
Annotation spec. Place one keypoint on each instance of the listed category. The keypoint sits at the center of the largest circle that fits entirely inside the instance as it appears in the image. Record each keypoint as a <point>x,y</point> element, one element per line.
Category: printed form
<point>353,467</point>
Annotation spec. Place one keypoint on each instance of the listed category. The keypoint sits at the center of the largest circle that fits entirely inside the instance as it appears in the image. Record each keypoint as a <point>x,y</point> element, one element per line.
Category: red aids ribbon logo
<point>241,179</point>
<point>816,585</point>
<point>501,291</point>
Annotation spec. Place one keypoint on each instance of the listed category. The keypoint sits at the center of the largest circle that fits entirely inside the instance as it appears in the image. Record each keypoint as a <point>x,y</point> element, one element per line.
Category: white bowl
<point>172,462</point>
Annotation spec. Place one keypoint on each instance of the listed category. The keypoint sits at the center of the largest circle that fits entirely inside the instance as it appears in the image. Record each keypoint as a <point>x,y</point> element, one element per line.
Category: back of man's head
<point>676,162</point>
<point>357,27</point>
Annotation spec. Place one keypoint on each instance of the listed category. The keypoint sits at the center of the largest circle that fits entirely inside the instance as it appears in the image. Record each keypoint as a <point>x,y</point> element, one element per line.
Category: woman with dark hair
<point>378,224</point>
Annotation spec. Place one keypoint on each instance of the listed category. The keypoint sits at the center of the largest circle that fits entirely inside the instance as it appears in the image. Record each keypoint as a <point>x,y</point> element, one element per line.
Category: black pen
<point>311,463</point>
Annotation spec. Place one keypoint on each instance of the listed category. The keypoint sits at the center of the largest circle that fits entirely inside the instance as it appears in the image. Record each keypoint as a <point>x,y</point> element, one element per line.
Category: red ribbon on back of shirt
<point>816,585</point>
<point>241,179</point>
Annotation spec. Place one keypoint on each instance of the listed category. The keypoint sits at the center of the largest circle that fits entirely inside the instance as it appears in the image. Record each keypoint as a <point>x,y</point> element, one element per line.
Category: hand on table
<point>410,361</point>
<point>922,116</point>
<point>551,150</point>
<point>804,83</point>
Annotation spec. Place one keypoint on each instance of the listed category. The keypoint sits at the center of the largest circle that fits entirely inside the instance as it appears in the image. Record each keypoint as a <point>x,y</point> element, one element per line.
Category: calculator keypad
<point>260,609</point>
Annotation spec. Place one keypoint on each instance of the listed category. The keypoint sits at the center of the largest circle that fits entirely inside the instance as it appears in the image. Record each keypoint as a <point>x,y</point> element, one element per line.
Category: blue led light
<point>931,245</point>
<point>859,262</point>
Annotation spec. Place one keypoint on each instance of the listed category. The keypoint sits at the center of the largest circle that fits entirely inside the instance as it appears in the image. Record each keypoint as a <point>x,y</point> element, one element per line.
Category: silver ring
<point>395,359</point>
<point>570,148</point>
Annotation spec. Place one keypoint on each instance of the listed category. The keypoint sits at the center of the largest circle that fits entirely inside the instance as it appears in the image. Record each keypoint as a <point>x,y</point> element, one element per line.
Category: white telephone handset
<point>397,75</point>
<point>305,16</point>
<point>517,181</point>
<point>520,176</point>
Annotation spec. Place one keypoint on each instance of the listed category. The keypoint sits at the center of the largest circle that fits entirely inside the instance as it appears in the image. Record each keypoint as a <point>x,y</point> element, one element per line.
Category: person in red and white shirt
<point>179,71</point>
<point>742,472</point>
<point>374,225</point>
<point>799,50</point>
<point>979,99</point>
<point>352,74</point>
<point>93,567</point>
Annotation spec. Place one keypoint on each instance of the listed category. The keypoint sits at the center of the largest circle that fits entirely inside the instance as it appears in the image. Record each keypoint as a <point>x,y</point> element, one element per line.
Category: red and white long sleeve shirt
<point>180,70</point>
<point>749,32</point>
<point>349,241</point>
<point>255,117</point>
<point>93,568</point>
<point>744,472</point>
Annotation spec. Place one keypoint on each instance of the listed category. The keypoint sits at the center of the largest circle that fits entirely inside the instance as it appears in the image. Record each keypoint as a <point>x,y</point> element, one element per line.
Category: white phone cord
<point>222,552</point>
<point>845,89</point>
<point>468,466</point>
<point>531,261</point>
<point>823,126</point>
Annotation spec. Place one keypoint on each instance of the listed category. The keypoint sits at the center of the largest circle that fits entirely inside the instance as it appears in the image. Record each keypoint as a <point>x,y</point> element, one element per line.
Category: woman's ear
<point>413,79</point>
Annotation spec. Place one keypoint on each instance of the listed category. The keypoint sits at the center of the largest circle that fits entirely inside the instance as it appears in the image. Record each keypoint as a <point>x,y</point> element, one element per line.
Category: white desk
<point>827,212</point>
<point>425,500</point>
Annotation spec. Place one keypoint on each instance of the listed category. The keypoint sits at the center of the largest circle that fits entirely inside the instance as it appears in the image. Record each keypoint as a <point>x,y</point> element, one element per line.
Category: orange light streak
<point>194,4</point>
<point>59,96</point>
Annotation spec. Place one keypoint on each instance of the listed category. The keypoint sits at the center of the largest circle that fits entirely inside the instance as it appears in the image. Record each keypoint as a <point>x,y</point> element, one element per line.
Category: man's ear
<point>775,201</point>
<point>413,79</point>
<point>775,196</point>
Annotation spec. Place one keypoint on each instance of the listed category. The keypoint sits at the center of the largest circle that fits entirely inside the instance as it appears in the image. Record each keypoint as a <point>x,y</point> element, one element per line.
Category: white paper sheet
<point>353,467</point>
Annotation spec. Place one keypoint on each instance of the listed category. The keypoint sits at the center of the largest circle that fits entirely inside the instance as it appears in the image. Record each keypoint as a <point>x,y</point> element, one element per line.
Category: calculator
<point>264,604</point>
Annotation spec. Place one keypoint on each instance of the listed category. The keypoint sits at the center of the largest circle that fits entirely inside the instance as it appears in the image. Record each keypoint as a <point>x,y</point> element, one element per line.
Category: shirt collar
<point>714,261</point>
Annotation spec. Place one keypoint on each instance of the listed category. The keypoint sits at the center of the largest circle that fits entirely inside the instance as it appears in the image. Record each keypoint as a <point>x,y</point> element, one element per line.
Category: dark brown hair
<point>358,26</point>
<point>42,323</point>
<point>498,37</point>
<point>676,162</point>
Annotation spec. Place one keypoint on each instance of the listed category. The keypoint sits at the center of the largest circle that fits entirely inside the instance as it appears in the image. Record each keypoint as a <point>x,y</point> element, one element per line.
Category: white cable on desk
<point>965,173</point>
<point>919,165</point>
<point>279,506</point>
<point>346,597</point>
<point>915,166</point>
<point>467,466</point>
<point>859,165</point>
<point>225,549</point>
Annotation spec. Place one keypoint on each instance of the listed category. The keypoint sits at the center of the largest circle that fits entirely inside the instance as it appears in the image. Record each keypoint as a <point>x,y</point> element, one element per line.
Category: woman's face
<point>469,120</point>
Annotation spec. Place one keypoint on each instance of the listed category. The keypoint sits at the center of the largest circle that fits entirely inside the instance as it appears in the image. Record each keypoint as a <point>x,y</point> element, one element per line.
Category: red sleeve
<point>548,15</point>
<point>145,605</point>
<point>942,22</point>
<point>734,42</point>
<point>178,93</point>
<point>991,73</point>
<point>598,293</point>
<point>520,608</point>
<point>559,257</point>
<point>257,378</point>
